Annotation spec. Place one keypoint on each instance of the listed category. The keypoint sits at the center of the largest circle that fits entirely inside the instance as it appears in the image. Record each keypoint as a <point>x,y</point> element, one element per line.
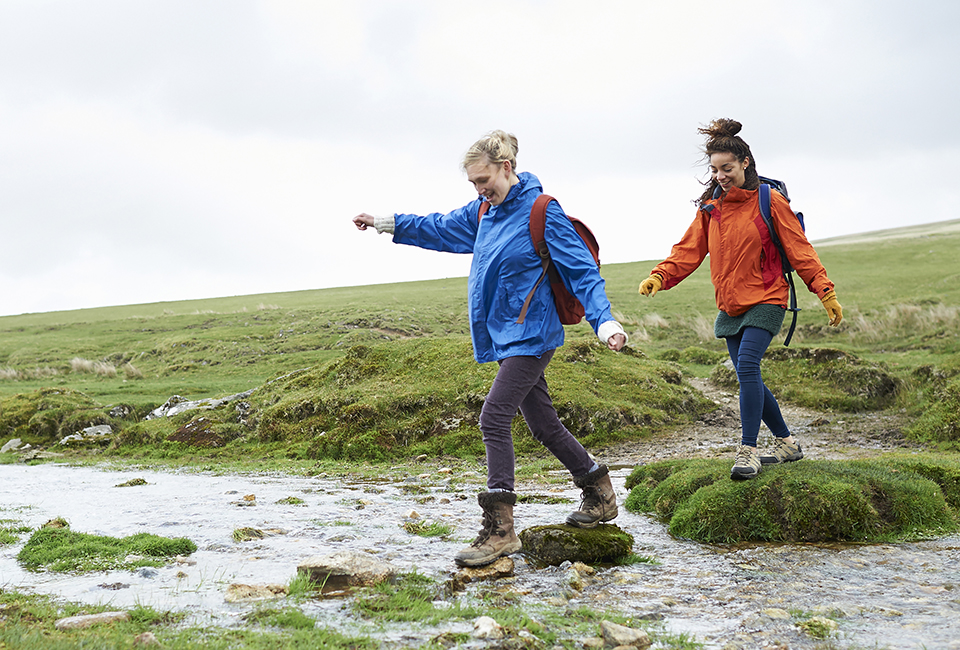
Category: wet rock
<point>619,635</point>
<point>346,569</point>
<point>12,445</point>
<point>80,622</point>
<point>502,567</point>
<point>776,612</point>
<point>557,544</point>
<point>147,572</point>
<point>240,593</point>
<point>487,628</point>
<point>579,575</point>
<point>96,433</point>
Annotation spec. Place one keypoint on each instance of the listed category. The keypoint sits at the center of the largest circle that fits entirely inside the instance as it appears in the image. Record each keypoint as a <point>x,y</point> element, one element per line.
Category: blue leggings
<point>756,401</point>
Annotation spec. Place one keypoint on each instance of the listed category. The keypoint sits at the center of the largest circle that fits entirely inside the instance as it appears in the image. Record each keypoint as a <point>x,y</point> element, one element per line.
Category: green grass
<point>11,530</point>
<point>63,550</point>
<point>427,528</point>
<point>893,498</point>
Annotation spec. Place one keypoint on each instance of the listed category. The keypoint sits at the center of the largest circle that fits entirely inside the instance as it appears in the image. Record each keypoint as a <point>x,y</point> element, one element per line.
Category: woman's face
<point>492,181</point>
<point>727,170</point>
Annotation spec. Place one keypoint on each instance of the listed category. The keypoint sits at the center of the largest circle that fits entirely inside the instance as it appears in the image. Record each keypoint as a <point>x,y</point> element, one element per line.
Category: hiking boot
<point>598,502</point>
<point>747,464</point>
<point>783,452</point>
<point>497,537</point>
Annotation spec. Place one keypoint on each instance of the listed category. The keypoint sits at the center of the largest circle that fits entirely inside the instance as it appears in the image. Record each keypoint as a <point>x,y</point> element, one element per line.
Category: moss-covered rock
<point>811,501</point>
<point>557,544</point>
<point>47,415</point>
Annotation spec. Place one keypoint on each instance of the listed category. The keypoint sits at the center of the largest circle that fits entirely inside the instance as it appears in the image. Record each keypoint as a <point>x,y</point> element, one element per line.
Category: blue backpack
<point>781,187</point>
<point>765,185</point>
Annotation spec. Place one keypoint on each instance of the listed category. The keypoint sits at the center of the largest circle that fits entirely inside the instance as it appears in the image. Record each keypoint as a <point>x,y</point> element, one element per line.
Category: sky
<point>170,150</point>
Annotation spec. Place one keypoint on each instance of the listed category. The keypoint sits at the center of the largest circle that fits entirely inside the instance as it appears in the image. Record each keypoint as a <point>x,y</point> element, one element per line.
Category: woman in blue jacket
<point>505,266</point>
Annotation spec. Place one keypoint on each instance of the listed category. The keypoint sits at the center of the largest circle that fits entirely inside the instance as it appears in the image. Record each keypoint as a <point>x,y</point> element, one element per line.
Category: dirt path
<point>822,434</point>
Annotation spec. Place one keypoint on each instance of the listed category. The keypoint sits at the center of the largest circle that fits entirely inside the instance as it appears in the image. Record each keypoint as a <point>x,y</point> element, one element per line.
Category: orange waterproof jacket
<point>745,266</point>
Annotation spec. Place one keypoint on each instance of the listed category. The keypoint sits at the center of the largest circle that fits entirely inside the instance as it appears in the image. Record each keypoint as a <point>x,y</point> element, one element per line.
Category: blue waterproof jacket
<point>506,267</point>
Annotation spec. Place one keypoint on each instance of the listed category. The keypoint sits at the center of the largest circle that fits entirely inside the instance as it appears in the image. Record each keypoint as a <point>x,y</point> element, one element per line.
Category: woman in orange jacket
<point>747,276</point>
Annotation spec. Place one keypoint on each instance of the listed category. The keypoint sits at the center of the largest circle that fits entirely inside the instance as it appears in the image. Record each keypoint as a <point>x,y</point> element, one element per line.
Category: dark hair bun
<point>721,128</point>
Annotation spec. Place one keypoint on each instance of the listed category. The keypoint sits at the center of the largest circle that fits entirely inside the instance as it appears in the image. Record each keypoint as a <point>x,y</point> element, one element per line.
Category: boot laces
<point>589,498</point>
<point>486,530</point>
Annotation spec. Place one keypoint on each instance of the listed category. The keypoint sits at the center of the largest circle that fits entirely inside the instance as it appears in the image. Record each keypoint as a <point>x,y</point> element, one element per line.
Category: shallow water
<point>889,595</point>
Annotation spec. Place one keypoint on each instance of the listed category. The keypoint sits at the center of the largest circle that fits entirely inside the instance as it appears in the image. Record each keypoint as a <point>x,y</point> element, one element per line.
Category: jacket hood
<point>528,183</point>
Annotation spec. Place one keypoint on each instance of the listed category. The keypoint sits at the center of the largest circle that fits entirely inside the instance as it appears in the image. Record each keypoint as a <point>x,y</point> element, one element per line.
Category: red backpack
<point>569,308</point>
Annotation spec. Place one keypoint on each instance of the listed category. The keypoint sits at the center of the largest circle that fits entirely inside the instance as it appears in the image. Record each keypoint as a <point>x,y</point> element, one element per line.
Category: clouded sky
<point>170,150</point>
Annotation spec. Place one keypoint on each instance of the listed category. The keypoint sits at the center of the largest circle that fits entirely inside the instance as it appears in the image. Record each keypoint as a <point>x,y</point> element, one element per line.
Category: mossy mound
<point>895,498</point>
<point>47,415</point>
<point>822,378</point>
<point>939,420</point>
<point>424,396</point>
<point>554,545</point>
<point>61,549</point>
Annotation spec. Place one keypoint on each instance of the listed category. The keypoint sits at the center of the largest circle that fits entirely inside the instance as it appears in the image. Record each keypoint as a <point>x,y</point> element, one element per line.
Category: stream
<point>884,595</point>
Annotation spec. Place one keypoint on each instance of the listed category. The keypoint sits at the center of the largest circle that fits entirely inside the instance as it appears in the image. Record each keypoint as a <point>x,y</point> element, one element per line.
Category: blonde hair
<point>493,148</point>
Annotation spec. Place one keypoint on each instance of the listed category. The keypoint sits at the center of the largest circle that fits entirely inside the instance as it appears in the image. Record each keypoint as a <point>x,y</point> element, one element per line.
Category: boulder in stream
<point>615,636</point>
<point>240,593</point>
<point>559,543</point>
<point>502,567</point>
<point>346,569</point>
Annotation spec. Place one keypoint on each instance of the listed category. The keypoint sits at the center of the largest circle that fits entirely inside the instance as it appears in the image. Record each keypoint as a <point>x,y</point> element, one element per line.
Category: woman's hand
<point>651,285</point>
<point>834,310</point>
<point>616,342</point>
<point>363,221</point>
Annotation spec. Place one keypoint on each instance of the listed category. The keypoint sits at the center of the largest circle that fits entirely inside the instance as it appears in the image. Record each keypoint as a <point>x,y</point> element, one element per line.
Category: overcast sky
<point>170,150</point>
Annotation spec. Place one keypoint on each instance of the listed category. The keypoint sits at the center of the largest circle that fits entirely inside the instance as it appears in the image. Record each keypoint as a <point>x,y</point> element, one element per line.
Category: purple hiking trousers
<point>520,384</point>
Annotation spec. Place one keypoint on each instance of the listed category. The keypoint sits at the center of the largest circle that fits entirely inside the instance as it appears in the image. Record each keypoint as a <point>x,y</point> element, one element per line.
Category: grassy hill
<point>900,291</point>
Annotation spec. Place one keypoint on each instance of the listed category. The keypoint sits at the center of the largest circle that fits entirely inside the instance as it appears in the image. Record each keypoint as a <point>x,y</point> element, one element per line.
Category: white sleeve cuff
<point>384,224</point>
<point>608,329</point>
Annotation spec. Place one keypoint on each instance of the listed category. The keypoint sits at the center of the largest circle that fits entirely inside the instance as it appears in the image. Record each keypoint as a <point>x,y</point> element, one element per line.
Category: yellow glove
<point>834,310</point>
<point>651,285</point>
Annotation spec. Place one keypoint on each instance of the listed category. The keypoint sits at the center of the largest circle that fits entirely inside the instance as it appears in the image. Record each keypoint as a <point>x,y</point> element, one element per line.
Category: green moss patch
<point>894,498</point>
<point>61,549</point>
<point>47,415</point>
<point>939,419</point>
<point>822,378</point>
<point>553,545</point>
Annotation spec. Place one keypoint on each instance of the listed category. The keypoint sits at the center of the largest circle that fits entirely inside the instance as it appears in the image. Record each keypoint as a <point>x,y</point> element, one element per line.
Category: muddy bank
<point>892,595</point>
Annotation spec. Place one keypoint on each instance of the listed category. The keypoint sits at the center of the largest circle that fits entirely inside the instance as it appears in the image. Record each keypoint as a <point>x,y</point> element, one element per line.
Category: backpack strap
<point>785,263</point>
<point>538,224</point>
<point>484,206</point>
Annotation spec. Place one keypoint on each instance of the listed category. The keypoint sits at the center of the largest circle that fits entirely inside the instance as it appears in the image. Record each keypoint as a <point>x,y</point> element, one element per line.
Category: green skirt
<point>767,317</point>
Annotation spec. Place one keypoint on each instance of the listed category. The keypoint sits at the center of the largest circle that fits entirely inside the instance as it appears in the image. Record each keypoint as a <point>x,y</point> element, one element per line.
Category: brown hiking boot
<point>598,501</point>
<point>497,537</point>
